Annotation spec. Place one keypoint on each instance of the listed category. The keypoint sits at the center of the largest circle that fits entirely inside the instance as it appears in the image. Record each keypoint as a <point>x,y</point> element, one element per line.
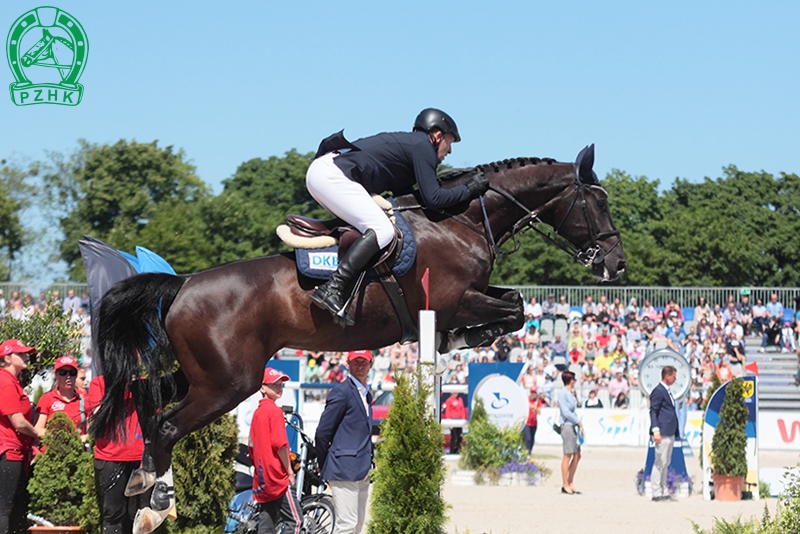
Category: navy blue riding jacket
<point>395,162</point>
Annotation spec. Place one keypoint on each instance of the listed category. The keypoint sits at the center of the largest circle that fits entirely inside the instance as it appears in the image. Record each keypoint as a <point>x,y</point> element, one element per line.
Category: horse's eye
<point>602,203</point>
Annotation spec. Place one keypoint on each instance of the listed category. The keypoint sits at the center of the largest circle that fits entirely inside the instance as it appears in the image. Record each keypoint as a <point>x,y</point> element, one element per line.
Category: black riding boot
<point>330,296</point>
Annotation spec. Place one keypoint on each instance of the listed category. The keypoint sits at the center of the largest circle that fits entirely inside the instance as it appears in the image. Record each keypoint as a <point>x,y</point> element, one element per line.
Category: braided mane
<point>448,175</point>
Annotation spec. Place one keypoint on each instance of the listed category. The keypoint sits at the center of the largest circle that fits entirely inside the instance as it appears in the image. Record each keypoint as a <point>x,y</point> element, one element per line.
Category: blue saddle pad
<point>320,263</point>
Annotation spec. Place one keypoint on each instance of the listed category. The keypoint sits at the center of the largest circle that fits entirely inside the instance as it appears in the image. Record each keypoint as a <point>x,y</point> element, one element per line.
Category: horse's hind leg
<point>199,408</point>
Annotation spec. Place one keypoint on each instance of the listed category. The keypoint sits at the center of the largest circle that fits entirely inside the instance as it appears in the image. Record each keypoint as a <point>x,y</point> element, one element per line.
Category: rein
<point>587,254</point>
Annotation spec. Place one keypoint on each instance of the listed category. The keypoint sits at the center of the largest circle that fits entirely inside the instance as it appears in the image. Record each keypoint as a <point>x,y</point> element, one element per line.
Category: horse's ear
<point>583,166</point>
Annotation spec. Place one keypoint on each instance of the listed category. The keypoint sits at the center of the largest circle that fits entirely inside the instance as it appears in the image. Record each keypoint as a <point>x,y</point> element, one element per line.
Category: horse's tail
<point>132,343</point>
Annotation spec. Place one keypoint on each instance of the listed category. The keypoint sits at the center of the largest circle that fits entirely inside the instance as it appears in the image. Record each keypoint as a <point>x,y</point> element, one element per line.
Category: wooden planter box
<point>36,529</point>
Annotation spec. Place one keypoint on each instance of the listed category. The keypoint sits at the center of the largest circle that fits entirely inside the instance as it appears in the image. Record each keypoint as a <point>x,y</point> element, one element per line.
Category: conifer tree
<point>729,444</point>
<point>62,487</point>
<point>409,466</point>
<point>203,471</point>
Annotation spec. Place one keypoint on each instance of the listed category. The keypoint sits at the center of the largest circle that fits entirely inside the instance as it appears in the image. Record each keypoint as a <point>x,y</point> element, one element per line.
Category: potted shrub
<point>409,468</point>
<point>62,488</point>
<point>728,447</point>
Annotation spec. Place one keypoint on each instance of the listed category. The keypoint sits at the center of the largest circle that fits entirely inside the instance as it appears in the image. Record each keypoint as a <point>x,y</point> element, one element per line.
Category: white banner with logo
<point>779,430</point>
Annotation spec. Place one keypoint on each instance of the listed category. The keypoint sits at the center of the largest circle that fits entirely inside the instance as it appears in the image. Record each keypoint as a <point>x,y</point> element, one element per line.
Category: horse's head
<point>580,214</point>
<point>567,197</point>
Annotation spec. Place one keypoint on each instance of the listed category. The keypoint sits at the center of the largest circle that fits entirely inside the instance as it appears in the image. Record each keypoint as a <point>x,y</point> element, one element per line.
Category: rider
<point>344,175</point>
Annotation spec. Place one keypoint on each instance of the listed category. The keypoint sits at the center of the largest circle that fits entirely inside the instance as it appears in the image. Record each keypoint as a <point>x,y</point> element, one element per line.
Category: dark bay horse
<point>222,325</point>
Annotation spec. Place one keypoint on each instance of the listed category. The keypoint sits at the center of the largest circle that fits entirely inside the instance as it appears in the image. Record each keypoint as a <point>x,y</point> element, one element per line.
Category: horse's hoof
<point>139,482</point>
<point>147,521</point>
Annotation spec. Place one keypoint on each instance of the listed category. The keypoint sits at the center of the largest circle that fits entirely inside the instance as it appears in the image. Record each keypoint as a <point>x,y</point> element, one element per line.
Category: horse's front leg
<point>162,502</point>
<point>484,317</point>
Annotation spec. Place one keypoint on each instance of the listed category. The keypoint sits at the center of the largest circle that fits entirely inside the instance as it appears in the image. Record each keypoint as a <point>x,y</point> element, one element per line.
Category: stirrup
<point>341,317</point>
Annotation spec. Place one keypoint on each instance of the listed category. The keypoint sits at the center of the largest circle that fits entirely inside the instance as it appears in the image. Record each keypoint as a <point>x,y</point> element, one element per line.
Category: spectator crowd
<point>603,345</point>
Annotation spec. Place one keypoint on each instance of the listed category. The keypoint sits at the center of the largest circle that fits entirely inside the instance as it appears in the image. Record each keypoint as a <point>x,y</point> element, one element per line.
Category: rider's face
<point>444,144</point>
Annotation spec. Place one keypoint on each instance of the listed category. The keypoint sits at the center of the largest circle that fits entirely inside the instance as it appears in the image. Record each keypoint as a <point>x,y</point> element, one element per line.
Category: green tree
<point>51,333</point>
<point>203,471</point>
<point>114,192</point>
<point>241,221</point>
<point>409,470</point>
<point>729,444</point>
<point>488,448</point>
<point>636,209</point>
<point>62,489</point>
<point>17,192</point>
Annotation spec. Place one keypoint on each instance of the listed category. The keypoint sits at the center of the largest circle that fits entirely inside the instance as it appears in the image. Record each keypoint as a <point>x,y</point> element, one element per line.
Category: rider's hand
<point>477,185</point>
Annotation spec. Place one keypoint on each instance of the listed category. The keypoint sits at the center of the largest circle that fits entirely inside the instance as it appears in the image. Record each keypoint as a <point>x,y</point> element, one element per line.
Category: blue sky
<point>664,90</point>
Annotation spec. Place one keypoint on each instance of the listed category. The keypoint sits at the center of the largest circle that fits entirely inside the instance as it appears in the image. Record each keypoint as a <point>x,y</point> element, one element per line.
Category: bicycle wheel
<point>318,515</point>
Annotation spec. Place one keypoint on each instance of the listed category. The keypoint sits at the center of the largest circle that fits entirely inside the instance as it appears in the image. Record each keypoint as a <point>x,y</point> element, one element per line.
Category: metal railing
<point>685,297</point>
<point>34,288</point>
<point>659,296</point>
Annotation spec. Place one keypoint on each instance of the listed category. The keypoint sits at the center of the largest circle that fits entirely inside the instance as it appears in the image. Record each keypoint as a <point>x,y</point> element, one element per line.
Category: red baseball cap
<point>13,346</point>
<point>273,375</point>
<point>66,361</point>
<point>353,354</point>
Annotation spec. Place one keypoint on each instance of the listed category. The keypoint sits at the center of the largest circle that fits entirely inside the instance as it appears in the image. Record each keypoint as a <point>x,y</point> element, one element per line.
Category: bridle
<point>589,253</point>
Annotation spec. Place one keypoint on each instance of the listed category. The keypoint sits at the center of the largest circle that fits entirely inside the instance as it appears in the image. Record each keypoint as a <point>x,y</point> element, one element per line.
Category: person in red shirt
<point>17,432</point>
<point>534,407</point>
<point>269,451</point>
<point>65,397</point>
<point>453,408</point>
<point>114,461</point>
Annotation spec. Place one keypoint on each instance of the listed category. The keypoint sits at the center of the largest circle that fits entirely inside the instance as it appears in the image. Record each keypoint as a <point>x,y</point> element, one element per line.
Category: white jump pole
<point>427,352</point>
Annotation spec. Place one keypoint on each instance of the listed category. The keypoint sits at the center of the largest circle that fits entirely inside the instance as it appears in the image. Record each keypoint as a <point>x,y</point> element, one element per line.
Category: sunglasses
<point>63,372</point>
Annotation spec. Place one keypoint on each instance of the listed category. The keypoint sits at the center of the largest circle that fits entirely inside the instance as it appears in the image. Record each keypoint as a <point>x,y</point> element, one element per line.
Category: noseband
<point>589,253</point>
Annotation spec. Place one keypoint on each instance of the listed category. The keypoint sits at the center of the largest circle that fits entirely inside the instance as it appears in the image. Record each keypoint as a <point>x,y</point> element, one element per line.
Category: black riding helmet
<point>431,119</point>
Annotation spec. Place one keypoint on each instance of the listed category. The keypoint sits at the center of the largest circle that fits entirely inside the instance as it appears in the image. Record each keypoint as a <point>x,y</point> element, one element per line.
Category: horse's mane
<point>449,175</point>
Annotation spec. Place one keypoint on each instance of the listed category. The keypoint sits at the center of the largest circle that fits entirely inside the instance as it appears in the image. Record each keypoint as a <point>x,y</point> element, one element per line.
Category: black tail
<point>132,343</point>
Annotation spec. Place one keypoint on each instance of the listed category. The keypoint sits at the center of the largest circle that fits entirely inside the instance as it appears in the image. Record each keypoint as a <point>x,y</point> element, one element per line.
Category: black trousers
<point>12,489</point>
<point>117,510</point>
<point>290,514</point>
<point>529,433</point>
<point>269,515</point>
<point>455,439</point>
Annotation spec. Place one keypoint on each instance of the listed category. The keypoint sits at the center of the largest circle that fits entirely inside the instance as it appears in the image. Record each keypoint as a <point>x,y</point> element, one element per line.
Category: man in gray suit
<point>664,428</point>
<point>344,444</point>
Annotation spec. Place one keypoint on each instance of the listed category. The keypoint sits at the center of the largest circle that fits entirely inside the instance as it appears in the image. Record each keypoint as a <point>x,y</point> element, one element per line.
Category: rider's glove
<point>477,185</point>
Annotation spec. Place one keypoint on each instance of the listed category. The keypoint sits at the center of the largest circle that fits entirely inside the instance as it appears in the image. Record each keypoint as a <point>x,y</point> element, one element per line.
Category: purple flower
<point>673,481</point>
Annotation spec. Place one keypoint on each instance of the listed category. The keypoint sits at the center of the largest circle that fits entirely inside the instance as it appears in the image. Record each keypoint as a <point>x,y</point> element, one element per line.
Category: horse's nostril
<point>621,266</point>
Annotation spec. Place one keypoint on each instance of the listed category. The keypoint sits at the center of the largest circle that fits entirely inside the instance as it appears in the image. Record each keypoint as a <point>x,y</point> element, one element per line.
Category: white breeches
<point>347,199</point>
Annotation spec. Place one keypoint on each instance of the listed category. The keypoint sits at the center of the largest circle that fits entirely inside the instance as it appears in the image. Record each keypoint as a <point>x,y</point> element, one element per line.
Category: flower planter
<point>462,477</point>
<point>683,490</point>
<point>513,479</point>
<point>727,488</point>
<point>36,529</point>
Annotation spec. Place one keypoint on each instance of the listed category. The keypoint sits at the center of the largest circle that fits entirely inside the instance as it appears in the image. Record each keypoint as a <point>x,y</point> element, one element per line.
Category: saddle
<point>305,233</point>
<point>317,243</point>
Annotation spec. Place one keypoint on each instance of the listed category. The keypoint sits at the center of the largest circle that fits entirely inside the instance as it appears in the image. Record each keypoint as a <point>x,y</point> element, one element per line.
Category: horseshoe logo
<point>47,49</point>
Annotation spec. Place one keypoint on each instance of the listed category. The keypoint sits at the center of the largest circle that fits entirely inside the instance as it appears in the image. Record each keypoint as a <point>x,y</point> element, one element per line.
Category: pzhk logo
<point>47,50</point>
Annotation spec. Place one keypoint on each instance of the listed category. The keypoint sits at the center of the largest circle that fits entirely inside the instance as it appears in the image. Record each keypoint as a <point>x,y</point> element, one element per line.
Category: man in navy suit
<point>664,428</point>
<point>344,444</point>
